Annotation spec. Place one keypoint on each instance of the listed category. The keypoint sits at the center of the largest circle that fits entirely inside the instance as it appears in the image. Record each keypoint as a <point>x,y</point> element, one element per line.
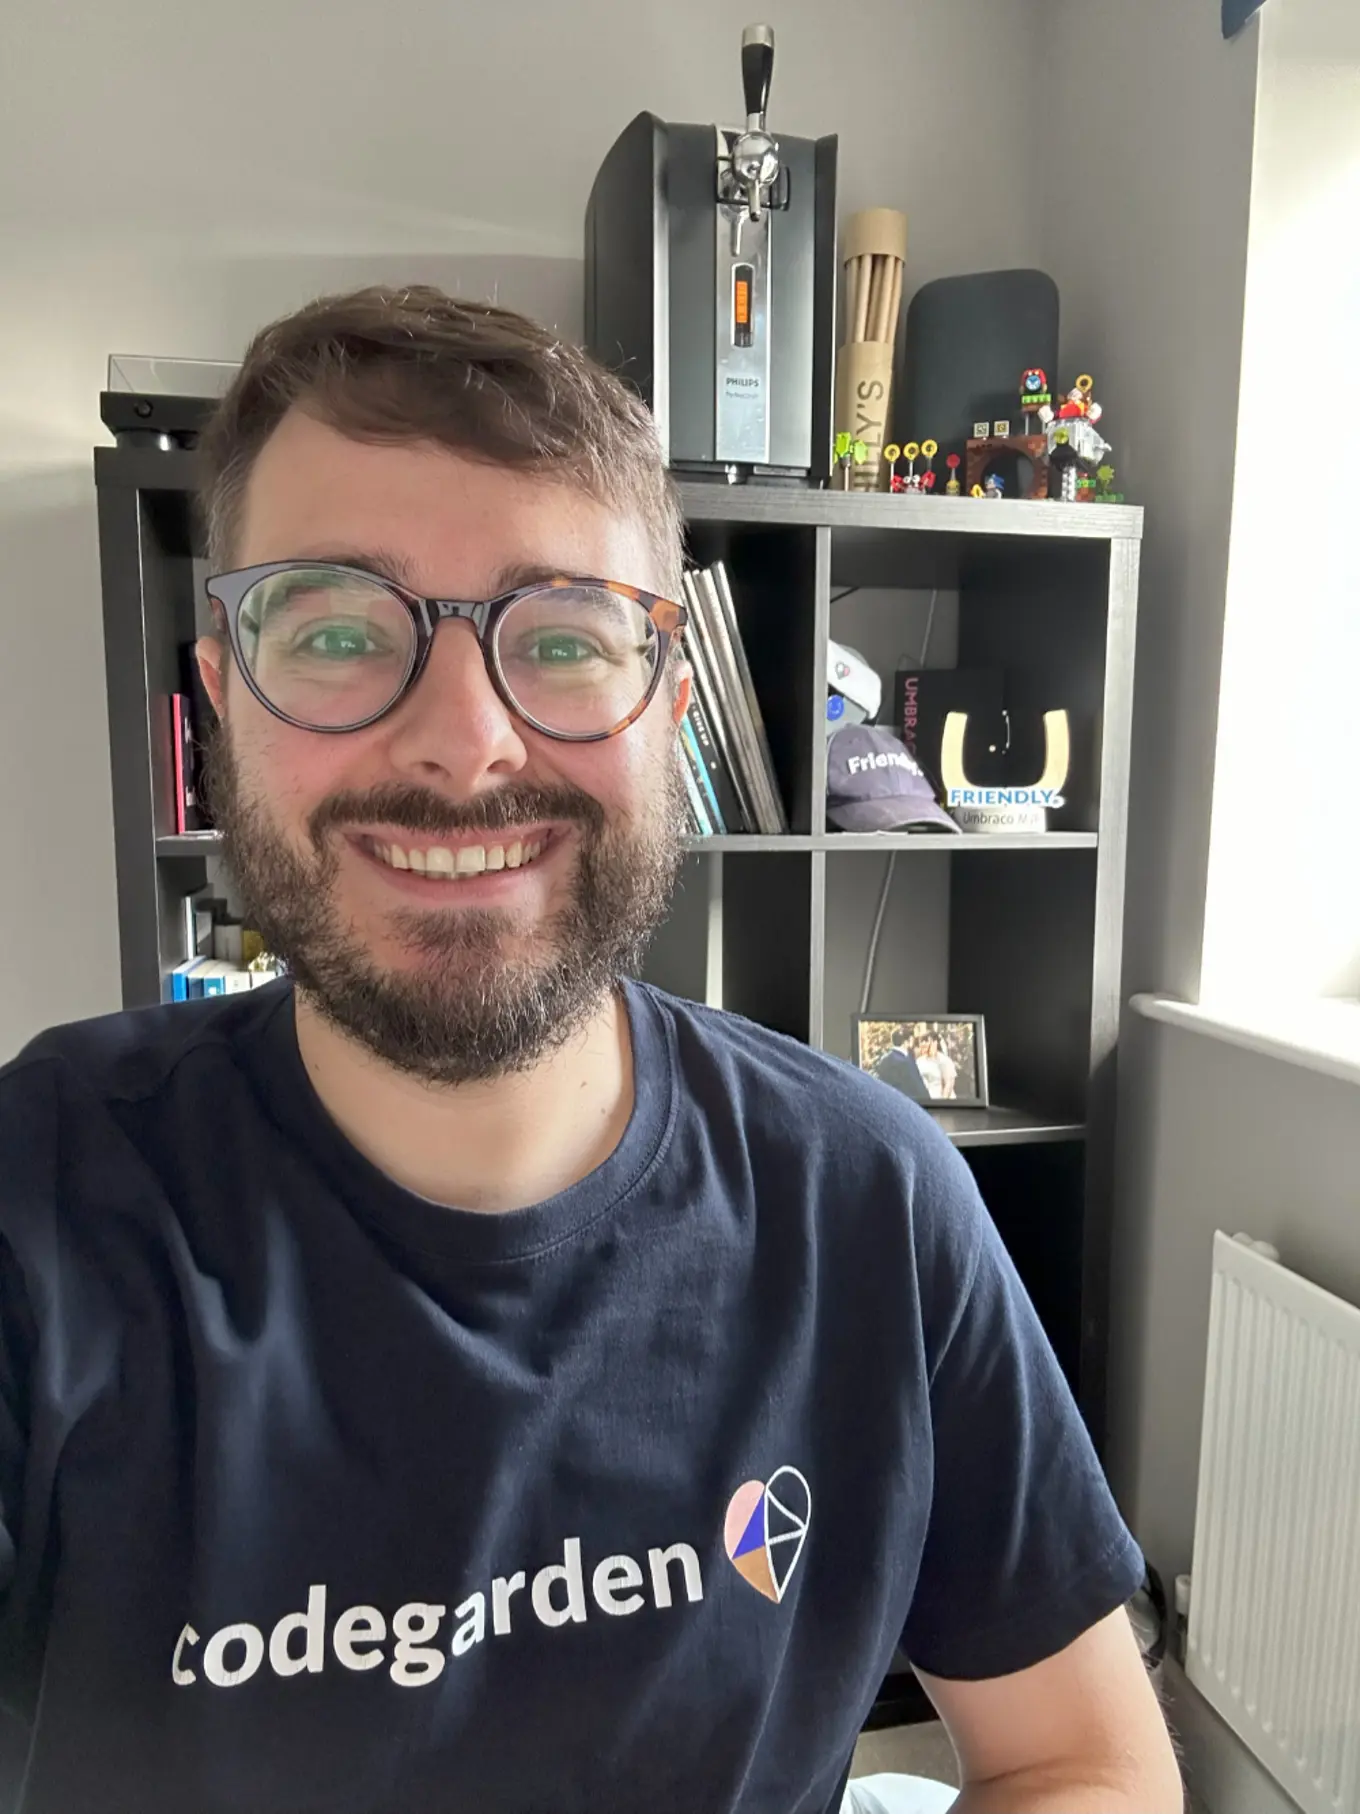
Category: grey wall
<point>1146,233</point>
<point>1214,1137</point>
<point>173,177</point>
<point>1149,241</point>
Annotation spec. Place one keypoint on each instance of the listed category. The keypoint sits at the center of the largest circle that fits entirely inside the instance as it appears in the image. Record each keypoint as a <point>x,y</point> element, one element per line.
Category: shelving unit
<point>207,843</point>
<point>1023,929</point>
<point>1026,930</point>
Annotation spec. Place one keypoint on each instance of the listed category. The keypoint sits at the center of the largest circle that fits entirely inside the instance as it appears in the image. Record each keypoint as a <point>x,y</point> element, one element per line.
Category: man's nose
<point>453,728</point>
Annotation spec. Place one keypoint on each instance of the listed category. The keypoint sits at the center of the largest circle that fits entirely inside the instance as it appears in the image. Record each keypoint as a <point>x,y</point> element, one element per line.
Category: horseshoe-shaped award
<point>1005,809</point>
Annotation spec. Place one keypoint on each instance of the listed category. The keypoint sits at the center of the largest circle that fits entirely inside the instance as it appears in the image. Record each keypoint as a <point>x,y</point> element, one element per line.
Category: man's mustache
<point>422,810</point>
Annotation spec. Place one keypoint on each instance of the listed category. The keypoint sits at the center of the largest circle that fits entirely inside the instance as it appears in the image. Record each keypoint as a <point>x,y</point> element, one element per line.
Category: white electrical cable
<point>877,931</point>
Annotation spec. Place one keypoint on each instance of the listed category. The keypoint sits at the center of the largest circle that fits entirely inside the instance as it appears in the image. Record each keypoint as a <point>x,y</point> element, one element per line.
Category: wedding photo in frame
<point>939,1060</point>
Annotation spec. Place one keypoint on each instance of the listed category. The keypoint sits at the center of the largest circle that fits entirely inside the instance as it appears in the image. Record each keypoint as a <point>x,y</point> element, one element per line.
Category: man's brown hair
<point>414,364</point>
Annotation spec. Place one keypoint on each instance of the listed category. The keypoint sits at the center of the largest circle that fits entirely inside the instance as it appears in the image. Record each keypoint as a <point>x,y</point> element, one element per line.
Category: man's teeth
<point>467,860</point>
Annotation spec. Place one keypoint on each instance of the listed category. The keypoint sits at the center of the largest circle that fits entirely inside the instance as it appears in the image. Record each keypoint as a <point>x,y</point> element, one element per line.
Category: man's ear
<point>682,692</point>
<point>211,652</point>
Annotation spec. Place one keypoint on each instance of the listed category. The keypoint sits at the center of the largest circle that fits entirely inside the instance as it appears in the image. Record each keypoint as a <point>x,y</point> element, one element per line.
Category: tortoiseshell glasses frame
<point>661,621</point>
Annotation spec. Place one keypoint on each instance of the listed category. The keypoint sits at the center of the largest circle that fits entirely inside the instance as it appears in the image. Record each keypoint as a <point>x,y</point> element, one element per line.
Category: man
<point>458,1378</point>
<point>900,1068</point>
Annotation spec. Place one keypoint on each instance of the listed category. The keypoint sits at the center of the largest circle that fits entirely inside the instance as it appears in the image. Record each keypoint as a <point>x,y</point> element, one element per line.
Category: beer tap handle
<point>757,69</point>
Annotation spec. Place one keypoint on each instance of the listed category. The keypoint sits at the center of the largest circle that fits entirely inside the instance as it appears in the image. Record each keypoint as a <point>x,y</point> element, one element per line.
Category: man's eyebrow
<point>382,563</point>
<point>516,574</point>
<point>386,563</point>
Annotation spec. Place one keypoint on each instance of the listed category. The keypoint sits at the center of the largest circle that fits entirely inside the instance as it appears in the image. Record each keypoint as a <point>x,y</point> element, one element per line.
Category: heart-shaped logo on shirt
<point>765,1530</point>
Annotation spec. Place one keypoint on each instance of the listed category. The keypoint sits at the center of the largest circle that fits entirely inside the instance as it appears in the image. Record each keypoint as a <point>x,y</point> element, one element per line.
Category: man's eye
<point>561,649</point>
<point>338,642</point>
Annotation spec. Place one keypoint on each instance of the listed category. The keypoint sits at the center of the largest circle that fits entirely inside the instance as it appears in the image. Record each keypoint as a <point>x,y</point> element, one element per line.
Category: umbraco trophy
<point>1005,809</point>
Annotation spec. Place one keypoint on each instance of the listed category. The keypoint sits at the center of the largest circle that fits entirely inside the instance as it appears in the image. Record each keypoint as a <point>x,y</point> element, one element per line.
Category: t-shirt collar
<point>477,1237</point>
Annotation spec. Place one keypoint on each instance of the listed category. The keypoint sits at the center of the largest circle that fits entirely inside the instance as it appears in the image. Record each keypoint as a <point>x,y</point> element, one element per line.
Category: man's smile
<point>482,865</point>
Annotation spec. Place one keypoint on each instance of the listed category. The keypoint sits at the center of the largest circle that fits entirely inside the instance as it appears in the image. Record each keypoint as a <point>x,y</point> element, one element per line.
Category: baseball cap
<point>874,783</point>
<point>848,673</point>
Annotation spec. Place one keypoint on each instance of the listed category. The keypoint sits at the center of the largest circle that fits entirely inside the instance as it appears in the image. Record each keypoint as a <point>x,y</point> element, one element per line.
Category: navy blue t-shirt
<point>319,1498</point>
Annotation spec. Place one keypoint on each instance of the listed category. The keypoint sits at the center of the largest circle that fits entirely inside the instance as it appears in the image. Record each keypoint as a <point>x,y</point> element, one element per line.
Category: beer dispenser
<point>710,272</point>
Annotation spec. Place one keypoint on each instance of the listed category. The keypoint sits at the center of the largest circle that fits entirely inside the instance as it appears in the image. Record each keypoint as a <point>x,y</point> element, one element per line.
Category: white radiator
<point>1274,1630</point>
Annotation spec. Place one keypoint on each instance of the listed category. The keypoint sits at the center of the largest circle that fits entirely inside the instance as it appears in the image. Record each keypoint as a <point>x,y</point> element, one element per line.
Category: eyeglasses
<point>334,648</point>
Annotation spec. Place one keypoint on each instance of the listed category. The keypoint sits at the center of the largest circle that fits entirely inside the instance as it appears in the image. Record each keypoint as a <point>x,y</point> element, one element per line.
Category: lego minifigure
<point>848,450</point>
<point>1034,394</point>
<point>1079,406</point>
<point>1075,446</point>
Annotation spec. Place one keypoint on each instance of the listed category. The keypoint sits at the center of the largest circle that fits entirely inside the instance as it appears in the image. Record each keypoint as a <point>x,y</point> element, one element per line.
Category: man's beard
<point>465,1011</point>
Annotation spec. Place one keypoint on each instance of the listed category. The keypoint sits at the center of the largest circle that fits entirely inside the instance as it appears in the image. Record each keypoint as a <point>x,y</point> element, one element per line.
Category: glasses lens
<point>326,647</point>
<point>577,659</point>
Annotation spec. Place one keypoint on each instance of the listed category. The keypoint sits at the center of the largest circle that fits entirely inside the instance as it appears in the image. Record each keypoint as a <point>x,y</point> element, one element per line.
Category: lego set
<point>1067,455</point>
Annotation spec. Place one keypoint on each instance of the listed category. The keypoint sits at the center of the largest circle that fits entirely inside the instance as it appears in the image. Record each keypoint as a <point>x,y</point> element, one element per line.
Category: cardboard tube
<point>863,395</point>
<point>881,230</point>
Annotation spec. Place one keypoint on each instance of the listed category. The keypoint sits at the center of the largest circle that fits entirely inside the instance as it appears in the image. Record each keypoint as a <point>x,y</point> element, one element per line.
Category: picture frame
<point>938,1060</point>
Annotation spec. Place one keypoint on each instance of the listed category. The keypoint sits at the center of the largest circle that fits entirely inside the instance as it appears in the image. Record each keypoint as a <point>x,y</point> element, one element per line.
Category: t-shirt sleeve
<point>30,1122</point>
<point>1025,1548</point>
<point>16,1345</point>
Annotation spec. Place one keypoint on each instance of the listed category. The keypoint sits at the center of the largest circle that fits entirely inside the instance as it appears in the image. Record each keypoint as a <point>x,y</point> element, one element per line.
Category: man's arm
<point>1080,1733</point>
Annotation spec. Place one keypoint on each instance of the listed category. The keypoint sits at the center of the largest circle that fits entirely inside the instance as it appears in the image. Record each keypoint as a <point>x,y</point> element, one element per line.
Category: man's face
<point>469,976</point>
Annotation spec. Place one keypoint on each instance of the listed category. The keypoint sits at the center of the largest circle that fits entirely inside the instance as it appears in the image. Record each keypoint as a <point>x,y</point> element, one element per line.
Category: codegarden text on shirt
<point>359,1634</point>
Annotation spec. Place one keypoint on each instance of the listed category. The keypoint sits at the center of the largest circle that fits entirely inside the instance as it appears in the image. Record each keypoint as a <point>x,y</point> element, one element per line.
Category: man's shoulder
<point>786,1085</point>
<point>129,1056</point>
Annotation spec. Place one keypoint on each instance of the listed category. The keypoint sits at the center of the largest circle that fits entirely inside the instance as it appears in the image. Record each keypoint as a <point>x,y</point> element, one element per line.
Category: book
<point>737,652</point>
<point>741,709</point>
<point>720,778</point>
<point>180,978</point>
<point>191,712</point>
<point>209,978</point>
<point>702,776</point>
<point>712,706</point>
<point>702,827</point>
<point>182,746</point>
<point>200,976</point>
<point>200,911</point>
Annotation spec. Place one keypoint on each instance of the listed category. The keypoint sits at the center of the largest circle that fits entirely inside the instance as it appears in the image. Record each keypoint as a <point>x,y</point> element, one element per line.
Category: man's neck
<point>499,1145</point>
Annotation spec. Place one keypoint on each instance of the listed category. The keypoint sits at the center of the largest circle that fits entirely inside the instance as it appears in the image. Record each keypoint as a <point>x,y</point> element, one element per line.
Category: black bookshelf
<point>1027,930</point>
